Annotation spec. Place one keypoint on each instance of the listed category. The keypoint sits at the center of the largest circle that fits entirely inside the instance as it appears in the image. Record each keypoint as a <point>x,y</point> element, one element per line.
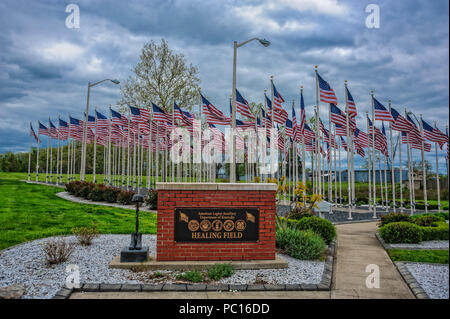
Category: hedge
<point>401,232</point>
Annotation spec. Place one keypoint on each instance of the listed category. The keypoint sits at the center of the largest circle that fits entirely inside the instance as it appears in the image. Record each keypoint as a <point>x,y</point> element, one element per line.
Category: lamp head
<point>264,42</point>
<point>115,81</point>
<point>137,198</point>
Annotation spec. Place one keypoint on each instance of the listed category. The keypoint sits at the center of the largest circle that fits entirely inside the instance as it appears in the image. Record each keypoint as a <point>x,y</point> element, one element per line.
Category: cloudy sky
<point>45,66</point>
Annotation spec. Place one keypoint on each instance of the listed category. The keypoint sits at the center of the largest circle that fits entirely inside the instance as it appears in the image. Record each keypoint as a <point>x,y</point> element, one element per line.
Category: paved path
<point>357,247</point>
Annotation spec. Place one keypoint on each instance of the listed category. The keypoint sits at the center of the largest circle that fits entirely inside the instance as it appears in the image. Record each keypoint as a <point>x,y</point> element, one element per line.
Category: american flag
<point>308,133</point>
<point>380,138</point>
<point>102,121</point>
<point>63,130</point>
<point>359,149</point>
<point>213,114</point>
<point>75,128</point>
<point>309,147</point>
<point>341,130</point>
<point>414,131</point>
<point>381,113</point>
<point>351,105</point>
<point>188,118</point>
<point>295,128</point>
<point>302,113</point>
<point>400,123</point>
<point>328,153</point>
<point>337,116</point>
<point>326,92</point>
<point>33,133</point>
<point>244,124</point>
<point>277,98</point>
<point>242,106</point>
<point>159,114</point>
<point>177,112</point>
<point>91,121</point>
<point>118,118</point>
<point>433,134</point>
<point>415,143</point>
<point>53,130</point>
<point>43,129</point>
<point>139,115</point>
<point>362,138</point>
<point>289,128</point>
<point>279,115</point>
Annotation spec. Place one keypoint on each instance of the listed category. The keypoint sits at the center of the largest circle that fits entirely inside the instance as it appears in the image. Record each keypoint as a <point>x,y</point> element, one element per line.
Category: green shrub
<point>110,194</point>
<point>427,220</point>
<point>304,245</point>
<point>401,232</point>
<point>437,232</point>
<point>193,276</point>
<point>152,199</point>
<point>299,213</point>
<point>97,192</point>
<point>125,197</point>
<point>318,225</point>
<point>394,218</point>
<point>219,271</point>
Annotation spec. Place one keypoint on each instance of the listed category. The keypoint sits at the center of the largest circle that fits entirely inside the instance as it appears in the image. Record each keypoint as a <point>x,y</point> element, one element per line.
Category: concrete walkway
<point>357,247</point>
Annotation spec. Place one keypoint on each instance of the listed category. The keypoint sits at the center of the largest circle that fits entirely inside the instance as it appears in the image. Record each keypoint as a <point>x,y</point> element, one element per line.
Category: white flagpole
<point>109,149</point>
<point>319,168</point>
<point>329,164</point>
<point>68,152</point>
<point>57,155</point>
<point>410,175</point>
<point>128,156</point>
<point>394,204</point>
<point>172,164</point>
<point>369,164</point>
<point>37,156</point>
<point>437,175</point>
<point>340,175</point>
<point>46,165</point>
<point>386,183</point>
<point>29,155</point>
<point>335,166</point>
<point>94,176</point>
<point>349,150</point>
<point>424,173</point>
<point>381,179</point>
<point>400,144</point>
<point>373,159</point>
<point>51,152</point>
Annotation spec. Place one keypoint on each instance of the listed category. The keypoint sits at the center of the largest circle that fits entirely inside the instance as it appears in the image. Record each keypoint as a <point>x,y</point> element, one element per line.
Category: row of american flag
<point>150,127</point>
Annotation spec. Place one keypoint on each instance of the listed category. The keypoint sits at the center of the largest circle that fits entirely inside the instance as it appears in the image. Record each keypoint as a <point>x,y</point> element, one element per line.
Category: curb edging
<point>323,285</point>
<point>412,283</point>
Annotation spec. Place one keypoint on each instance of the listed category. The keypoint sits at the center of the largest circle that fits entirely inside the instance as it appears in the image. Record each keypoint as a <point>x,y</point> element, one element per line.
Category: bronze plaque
<point>216,224</point>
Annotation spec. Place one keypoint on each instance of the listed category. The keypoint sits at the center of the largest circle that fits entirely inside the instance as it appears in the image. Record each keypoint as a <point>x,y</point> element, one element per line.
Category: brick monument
<point>216,221</point>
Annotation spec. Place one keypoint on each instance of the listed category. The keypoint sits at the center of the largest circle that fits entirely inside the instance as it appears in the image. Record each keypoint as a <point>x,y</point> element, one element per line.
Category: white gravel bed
<point>298,271</point>
<point>432,244</point>
<point>432,277</point>
<point>25,264</point>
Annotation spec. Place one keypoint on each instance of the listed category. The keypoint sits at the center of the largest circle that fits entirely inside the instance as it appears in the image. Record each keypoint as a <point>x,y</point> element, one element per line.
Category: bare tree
<point>161,77</point>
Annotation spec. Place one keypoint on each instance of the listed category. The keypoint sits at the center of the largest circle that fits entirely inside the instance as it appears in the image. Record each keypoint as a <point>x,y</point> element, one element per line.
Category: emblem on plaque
<point>193,225</point>
<point>228,225</point>
<point>240,225</point>
<point>205,225</point>
<point>217,225</point>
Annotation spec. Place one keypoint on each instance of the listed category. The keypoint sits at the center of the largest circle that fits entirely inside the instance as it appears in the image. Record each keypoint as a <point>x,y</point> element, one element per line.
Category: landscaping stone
<point>12,292</point>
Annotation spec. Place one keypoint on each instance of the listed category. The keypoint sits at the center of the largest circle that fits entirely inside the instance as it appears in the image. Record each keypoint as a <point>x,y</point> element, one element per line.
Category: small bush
<point>193,276</point>
<point>152,199</point>
<point>401,232</point>
<point>97,193</point>
<point>219,271</point>
<point>299,213</point>
<point>85,235</point>
<point>437,232</point>
<point>304,245</point>
<point>125,197</point>
<point>110,194</point>
<point>394,218</point>
<point>318,225</point>
<point>427,220</point>
<point>57,251</point>
<point>85,190</point>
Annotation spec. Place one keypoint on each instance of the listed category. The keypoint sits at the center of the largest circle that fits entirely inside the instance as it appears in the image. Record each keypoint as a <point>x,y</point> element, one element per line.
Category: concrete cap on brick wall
<point>218,186</point>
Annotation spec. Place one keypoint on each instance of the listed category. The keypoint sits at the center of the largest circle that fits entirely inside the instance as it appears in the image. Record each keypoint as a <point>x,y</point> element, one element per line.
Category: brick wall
<point>171,197</point>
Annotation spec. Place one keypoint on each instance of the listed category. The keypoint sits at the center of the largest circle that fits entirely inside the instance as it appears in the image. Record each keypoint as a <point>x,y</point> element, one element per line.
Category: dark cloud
<point>45,67</point>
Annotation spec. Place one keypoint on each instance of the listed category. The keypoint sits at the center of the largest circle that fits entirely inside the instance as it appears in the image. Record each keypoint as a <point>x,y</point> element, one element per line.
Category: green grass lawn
<point>426,256</point>
<point>29,212</point>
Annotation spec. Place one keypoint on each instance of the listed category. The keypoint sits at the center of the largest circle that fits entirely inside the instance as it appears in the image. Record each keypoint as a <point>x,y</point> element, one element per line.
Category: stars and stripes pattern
<point>381,113</point>
<point>352,112</point>
<point>242,106</point>
<point>53,131</point>
<point>160,115</point>
<point>33,133</point>
<point>213,114</point>
<point>399,123</point>
<point>433,134</point>
<point>326,92</point>
<point>43,129</point>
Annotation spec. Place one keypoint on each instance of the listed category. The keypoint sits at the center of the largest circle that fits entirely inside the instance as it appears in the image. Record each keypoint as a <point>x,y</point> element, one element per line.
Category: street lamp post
<point>83,149</point>
<point>265,43</point>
